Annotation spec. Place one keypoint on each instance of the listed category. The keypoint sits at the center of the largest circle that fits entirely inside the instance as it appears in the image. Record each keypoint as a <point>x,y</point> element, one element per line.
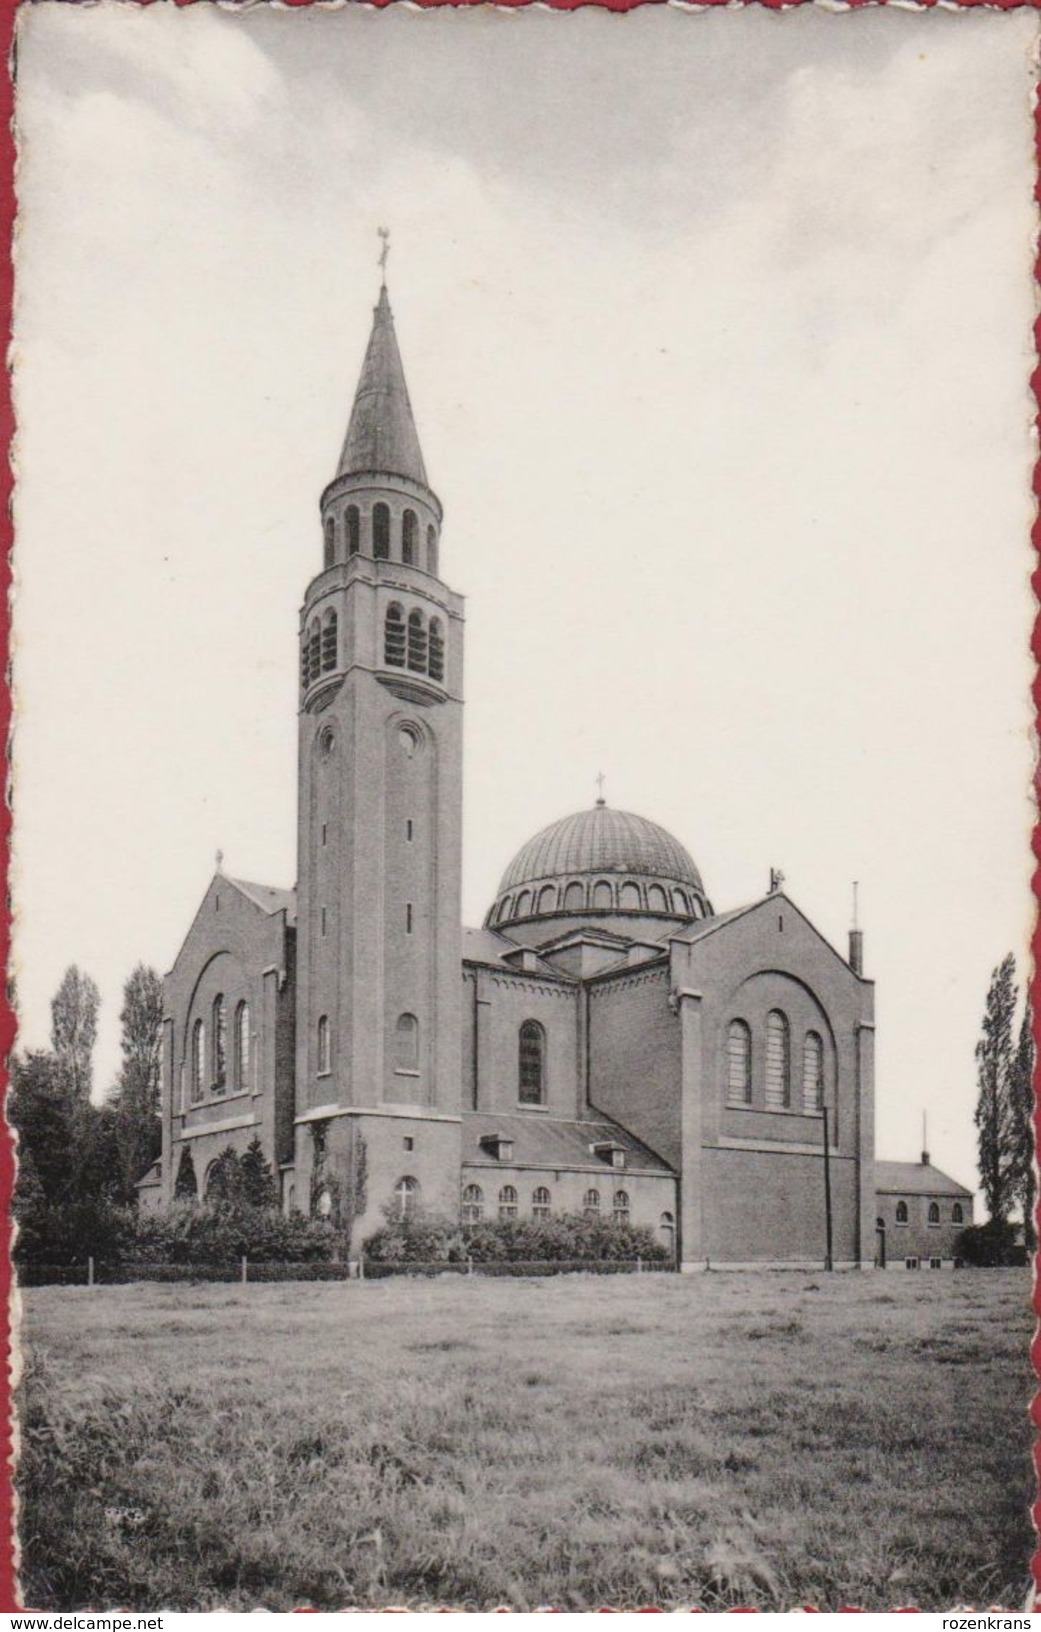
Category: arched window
<point>394,637</point>
<point>507,1202</point>
<point>901,1212</point>
<point>186,1185</point>
<point>629,897</point>
<point>198,1061</point>
<point>504,909</point>
<point>220,1043</point>
<point>330,541</point>
<point>778,1062</point>
<point>437,650</point>
<point>305,662</point>
<point>934,1212</point>
<point>540,1203</point>
<point>739,1063</point>
<point>657,900</point>
<point>680,902</point>
<point>324,1044</point>
<point>812,1073</point>
<point>432,551</point>
<point>667,1231</point>
<point>242,1046</point>
<point>417,643</point>
<point>314,651</point>
<point>574,897</point>
<point>329,631</point>
<point>957,1213</point>
<point>591,1204</point>
<point>406,1196</point>
<point>620,1207</point>
<point>603,895</point>
<point>473,1204</point>
<point>406,1043</point>
<point>353,519</point>
<point>523,906</point>
<point>408,538</point>
<point>547,898</point>
<point>381,532</point>
<point>532,1049</point>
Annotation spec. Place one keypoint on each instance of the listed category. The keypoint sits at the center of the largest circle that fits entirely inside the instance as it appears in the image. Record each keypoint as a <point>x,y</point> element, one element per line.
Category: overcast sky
<point>717,329</point>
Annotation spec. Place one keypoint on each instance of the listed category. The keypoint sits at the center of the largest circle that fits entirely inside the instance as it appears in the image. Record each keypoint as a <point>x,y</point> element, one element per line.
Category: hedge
<point>567,1238</point>
<point>376,1271</point>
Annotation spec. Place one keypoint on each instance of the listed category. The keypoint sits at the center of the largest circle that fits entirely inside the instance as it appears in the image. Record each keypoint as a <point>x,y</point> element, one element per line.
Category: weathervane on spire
<point>600,788</point>
<point>384,233</point>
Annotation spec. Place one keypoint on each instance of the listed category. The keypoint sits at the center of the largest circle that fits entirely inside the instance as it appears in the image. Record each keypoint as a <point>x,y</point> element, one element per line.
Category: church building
<point>606,1042</point>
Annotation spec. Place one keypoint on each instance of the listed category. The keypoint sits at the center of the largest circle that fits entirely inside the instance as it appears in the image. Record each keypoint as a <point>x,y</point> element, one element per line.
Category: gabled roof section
<point>705,927</point>
<point>550,1141</point>
<point>382,435</point>
<point>487,946</point>
<point>266,896</point>
<point>915,1179</point>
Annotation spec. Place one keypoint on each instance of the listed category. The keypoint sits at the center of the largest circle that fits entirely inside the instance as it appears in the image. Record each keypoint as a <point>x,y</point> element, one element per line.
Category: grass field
<point>768,1439</point>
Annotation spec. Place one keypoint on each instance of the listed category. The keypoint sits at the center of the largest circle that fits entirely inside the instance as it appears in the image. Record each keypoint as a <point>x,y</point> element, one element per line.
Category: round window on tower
<point>410,739</point>
<point>327,742</point>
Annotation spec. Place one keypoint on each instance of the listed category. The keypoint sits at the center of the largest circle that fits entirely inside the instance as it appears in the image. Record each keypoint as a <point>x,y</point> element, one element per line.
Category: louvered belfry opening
<point>417,643</point>
<point>394,638</point>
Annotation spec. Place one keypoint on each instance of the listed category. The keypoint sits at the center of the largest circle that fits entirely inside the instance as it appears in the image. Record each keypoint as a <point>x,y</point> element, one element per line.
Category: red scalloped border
<point>8,11</point>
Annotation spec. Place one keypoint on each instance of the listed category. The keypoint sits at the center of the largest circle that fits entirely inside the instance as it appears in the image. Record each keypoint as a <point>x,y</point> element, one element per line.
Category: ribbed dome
<point>601,840</point>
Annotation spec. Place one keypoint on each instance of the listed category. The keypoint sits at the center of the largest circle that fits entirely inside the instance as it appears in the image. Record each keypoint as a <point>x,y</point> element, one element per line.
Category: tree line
<point>1005,1115</point>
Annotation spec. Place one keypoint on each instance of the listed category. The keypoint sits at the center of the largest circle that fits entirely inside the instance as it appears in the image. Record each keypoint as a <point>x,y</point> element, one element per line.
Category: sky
<point>717,332</point>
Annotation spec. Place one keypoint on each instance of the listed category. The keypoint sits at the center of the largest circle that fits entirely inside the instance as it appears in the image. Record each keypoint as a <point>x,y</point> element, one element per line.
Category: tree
<point>74,1030</point>
<point>257,1186</point>
<point>994,1064</point>
<point>38,1107</point>
<point>1022,1178</point>
<point>138,1129</point>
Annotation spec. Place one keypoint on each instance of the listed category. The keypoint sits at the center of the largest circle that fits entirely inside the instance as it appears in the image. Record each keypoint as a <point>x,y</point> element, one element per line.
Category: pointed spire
<point>382,433</point>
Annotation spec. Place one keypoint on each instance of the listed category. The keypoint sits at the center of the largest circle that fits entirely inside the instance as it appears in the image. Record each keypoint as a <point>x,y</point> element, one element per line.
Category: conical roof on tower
<point>382,435</point>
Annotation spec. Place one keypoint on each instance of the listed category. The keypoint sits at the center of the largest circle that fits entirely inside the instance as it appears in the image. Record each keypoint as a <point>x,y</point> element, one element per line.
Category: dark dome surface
<point>601,840</point>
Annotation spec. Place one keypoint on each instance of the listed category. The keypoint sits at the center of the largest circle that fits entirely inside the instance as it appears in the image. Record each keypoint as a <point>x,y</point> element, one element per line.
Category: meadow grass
<point>761,1439</point>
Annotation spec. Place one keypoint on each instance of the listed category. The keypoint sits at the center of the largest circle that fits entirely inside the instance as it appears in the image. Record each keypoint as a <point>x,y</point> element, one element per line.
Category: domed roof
<point>601,840</point>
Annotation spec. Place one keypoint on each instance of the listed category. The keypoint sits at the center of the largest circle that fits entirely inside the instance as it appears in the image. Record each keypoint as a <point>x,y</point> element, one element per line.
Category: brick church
<point>606,1042</point>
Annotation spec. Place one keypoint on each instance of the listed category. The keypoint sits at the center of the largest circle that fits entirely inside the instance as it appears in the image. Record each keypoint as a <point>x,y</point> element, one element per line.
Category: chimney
<point>856,951</point>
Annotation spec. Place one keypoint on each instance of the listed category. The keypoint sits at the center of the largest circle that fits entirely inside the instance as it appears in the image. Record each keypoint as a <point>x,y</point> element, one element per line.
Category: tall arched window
<point>934,1212</point>
<point>901,1212</point>
<point>353,519</point>
<point>381,532</point>
<point>242,1046</point>
<point>324,1044</point>
<point>406,1196</point>
<point>531,1063</point>
<point>507,1202</point>
<point>620,1207</point>
<point>329,632</point>
<point>220,1043</point>
<point>812,1073</point>
<point>409,528</point>
<point>406,1043</point>
<point>417,643</point>
<point>330,541</point>
<point>739,1063</point>
<point>540,1203</point>
<point>198,1061</point>
<point>591,1204</point>
<point>957,1213</point>
<point>394,637</point>
<point>667,1231</point>
<point>437,650</point>
<point>314,651</point>
<point>473,1204</point>
<point>432,551</point>
<point>778,1062</point>
<point>547,899</point>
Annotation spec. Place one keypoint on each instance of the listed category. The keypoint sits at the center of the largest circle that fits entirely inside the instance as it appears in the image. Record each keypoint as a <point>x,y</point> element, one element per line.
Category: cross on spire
<point>384,233</point>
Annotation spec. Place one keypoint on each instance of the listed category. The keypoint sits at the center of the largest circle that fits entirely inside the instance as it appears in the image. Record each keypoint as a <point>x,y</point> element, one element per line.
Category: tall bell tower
<point>378,1039</point>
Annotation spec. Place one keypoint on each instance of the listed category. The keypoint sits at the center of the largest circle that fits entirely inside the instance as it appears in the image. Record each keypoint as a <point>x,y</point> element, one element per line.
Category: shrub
<point>566,1238</point>
<point>186,1234</point>
<point>991,1245</point>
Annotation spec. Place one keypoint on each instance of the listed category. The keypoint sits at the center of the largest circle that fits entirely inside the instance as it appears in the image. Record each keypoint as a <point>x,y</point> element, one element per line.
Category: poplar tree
<point>994,1069</point>
<point>136,1097</point>
<point>74,1031</point>
<point>1023,1180</point>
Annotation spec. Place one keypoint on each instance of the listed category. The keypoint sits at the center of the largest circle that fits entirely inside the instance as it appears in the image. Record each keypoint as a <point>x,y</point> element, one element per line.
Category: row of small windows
<point>319,648</point>
<point>933,1214</point>
<point>414,645</point>
<point>472,1211</point>
<point>603,896</point>
<point>381,537</point>
<point>778,1065</point>
<point>210,1068</point>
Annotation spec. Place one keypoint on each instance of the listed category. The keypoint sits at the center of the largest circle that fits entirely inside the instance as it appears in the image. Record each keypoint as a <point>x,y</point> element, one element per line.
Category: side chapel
<point>606,1042</point>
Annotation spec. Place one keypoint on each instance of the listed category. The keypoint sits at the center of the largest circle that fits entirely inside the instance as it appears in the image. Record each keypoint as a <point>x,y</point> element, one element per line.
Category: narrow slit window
<point>409,529</point>
<point>330,541</point>
<point>381,532</point>
<point>220,1044</point>
<point>432,551</point>
<point>353,518</point>
<point>324,1044</point>
<point>242,1042</point>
